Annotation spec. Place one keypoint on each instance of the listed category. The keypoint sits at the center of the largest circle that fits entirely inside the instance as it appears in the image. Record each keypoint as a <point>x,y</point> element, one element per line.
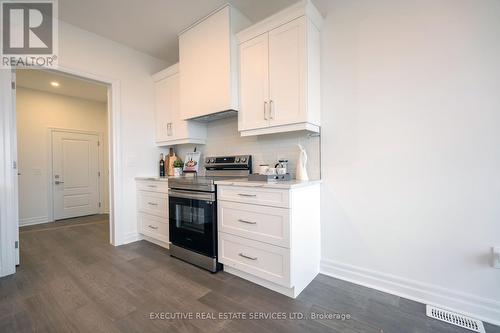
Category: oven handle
<point>192,195</point>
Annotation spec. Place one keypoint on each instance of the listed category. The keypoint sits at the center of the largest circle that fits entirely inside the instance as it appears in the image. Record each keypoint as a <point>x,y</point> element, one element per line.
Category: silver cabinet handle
<point>57,182</point>
<point>152,186</point>
<point>265,110</point>
<point>271,109</point>
<point>247,195</point>
<point>247,257</point>
<point>247,222</point>
<point>152,227</point>
<point>152,204</point>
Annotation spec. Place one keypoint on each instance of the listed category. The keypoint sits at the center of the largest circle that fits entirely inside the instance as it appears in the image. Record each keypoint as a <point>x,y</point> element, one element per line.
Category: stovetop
<point>216,168</point>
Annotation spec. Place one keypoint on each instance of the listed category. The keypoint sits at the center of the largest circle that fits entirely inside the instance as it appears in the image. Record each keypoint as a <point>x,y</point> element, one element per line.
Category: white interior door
<point>254,83</point>
<point>75,175</point>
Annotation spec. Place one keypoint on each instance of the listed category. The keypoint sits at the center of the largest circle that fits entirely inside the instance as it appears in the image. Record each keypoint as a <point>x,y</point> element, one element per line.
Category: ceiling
<point>152,26</point>
<point>68,85</point>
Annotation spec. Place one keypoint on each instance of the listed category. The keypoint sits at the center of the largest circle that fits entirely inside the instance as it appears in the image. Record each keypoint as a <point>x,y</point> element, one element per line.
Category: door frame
<point>8,174</point>
<point>50,167</point>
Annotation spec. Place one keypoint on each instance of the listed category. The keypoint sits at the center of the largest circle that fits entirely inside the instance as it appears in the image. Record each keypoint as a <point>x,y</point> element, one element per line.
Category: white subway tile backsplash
<point>223,138</point>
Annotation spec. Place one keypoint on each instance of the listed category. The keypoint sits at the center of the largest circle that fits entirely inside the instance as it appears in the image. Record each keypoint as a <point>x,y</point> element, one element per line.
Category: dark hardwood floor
<point>72,280</point>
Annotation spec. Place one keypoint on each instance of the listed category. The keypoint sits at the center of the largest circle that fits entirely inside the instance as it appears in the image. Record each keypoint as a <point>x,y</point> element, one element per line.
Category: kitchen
<point>274,165</point>
<point>208,216</point>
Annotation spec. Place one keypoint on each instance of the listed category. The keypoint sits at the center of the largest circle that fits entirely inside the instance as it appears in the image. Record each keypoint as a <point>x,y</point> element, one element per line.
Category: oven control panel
<point>227,160</point>
<point>226,163</point>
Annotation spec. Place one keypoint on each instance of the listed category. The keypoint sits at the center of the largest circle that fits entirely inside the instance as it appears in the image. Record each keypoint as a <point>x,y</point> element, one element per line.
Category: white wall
<point>223,139</point>
<point>87,52</point>
<point>411,119</point>
<point>38,111</point>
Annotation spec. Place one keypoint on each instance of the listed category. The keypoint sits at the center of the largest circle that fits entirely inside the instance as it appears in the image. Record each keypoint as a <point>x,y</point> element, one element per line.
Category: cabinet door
<point>163,94</point>
<point>204,53</point>
<point>178,128</point>
<point>287,73</point>
<point>254,83</point>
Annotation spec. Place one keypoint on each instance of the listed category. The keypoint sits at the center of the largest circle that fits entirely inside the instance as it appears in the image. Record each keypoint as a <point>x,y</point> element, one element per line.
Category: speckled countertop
<point>289,184</point>
<point>156,179</point>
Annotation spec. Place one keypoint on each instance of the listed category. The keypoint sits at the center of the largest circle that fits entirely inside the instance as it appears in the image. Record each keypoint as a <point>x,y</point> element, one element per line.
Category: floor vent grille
<point>456,319</point>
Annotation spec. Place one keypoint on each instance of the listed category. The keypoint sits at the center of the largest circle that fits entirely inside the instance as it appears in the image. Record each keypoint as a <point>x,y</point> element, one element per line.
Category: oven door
<point>193,220</point>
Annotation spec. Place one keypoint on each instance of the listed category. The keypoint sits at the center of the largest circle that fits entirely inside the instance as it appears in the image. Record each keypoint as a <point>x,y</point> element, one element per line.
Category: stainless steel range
<point>193,210</point>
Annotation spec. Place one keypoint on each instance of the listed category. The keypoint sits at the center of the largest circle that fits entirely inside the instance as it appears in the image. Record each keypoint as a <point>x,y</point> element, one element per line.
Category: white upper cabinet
<point>254,81</point>
<point>279,73</point>
<point>171,129</point>
<point>208,54</point>
<point>287,73</point>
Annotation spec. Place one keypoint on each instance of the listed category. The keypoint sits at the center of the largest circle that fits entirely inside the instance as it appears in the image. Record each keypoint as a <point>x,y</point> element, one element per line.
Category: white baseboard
<point>131,237</point>
<point>33,220</point>
<point>478,307</point>
<point>155,241</point>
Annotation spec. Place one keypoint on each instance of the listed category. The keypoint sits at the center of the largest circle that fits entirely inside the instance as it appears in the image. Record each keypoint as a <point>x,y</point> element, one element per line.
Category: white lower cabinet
<point>258,196</point>
<point>153,226</point>
<point>263,260</point>
<point>153,203</point>
<point>270,236</point>
<point>152,211</point>
<point>268,224</point>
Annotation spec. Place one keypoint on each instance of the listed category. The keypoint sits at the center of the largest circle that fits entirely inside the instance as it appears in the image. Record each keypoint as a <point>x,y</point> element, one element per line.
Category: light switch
<point>495,254</point>
<point>131,161</point>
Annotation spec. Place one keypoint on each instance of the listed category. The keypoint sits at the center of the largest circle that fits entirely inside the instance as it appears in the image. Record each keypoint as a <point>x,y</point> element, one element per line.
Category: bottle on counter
<point>171,159</point>
<point>162,166</point>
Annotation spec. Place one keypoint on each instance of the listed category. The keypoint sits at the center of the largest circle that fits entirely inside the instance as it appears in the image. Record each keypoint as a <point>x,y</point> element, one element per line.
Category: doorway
<point>62,150</point>
<point>75,173</point>
<point>9,219</point>
<point>62,168</point>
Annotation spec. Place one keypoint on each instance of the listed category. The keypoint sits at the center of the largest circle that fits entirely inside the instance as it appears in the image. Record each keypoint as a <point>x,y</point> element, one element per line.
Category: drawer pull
<point>152,227</point>
<point>152,186</point>
<point>152,204</point>
<point>247,257</point>
<point>247,222</point>
<point>247,195</point>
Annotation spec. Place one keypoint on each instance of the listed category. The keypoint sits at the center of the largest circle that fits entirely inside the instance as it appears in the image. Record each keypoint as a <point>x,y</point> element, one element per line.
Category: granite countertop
<point>156,179</point>
<point>289,184</point>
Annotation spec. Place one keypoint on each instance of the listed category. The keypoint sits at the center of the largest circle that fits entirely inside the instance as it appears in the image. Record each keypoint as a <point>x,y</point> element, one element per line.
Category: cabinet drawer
<point>153,203</point>
<point>152,186</point>
<point>251,195</point>
<point>153,226</point>
<point>266,261</point>
<point>266,224</point>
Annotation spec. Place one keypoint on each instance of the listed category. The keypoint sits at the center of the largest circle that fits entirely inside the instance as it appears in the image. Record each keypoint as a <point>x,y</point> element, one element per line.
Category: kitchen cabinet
<point>208,62</point>
<point>152,211</point>
<point>268,235</point>
<point>254,83</point>
<point>170,128</point>
<point>279,73</point>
